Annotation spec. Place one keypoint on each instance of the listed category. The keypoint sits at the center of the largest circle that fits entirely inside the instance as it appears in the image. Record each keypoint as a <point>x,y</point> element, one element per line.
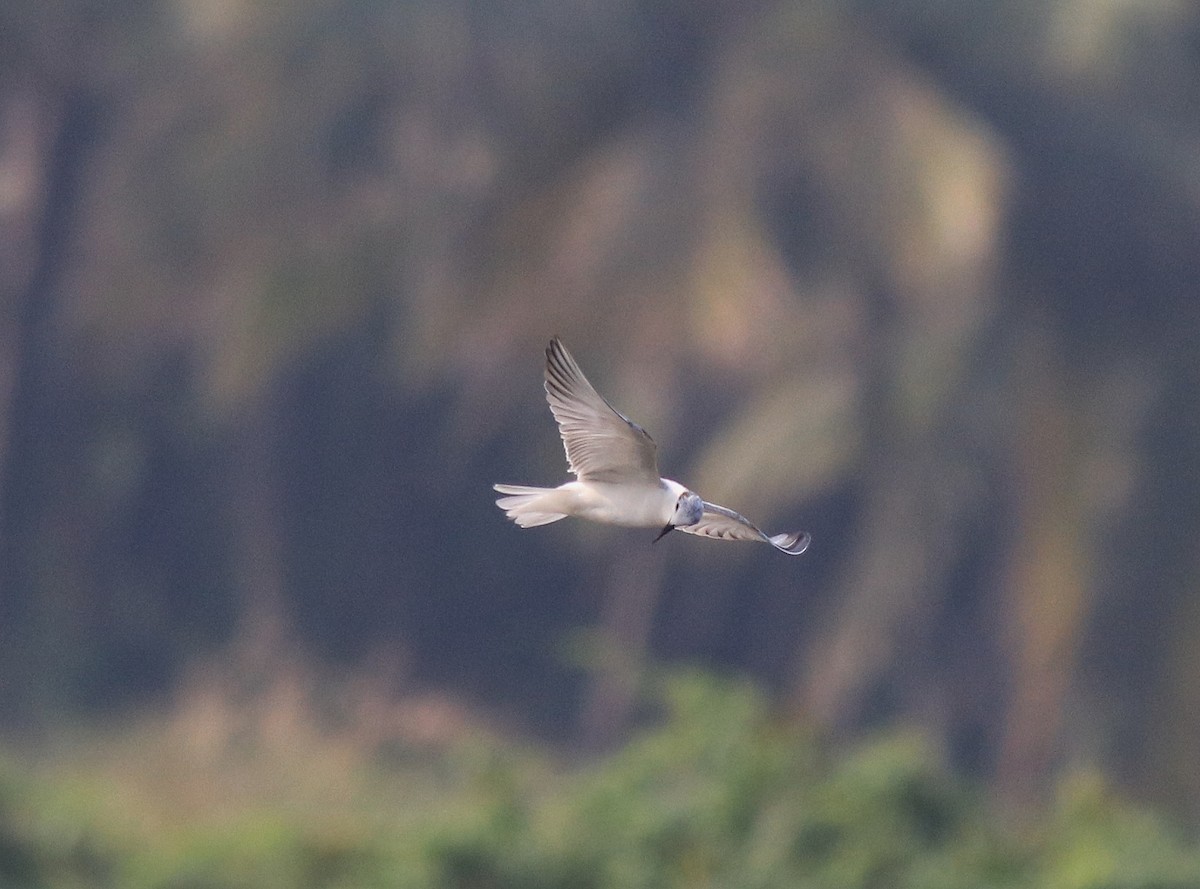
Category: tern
<point>615,464</point>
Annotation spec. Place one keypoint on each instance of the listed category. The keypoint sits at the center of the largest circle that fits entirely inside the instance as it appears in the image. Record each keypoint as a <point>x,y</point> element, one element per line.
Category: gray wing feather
<point>601,443</point>
<point>725,524</point>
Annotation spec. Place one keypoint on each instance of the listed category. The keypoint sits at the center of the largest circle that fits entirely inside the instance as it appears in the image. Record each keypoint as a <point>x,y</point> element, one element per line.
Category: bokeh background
<point>919,277</point>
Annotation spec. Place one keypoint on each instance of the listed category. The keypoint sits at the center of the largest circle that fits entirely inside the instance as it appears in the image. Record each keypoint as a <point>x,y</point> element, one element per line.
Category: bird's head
<point>688,510</point>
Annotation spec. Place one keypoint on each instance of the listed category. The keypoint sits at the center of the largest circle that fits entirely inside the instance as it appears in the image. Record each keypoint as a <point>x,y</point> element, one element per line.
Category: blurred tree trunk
<point>25,131</point>
<point>1047,583</point>
<point>58,135</point>
<point>263,633</point>
<point>882,595</point>
<point>633,591</point>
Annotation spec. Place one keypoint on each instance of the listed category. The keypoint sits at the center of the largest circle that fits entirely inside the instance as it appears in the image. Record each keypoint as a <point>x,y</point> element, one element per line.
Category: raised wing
<point>602,444</point>
<point>725,524</point>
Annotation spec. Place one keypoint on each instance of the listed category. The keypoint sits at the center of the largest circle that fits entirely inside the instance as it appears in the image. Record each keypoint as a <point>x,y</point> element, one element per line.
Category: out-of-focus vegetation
<point>718,793</point>
<point>919,277</point>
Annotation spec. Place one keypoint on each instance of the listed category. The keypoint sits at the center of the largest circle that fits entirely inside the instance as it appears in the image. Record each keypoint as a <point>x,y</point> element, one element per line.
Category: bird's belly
<point>635,507</point>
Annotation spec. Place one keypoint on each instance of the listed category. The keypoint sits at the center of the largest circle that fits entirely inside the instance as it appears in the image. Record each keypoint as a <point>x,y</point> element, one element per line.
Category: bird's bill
<point>667,528</point>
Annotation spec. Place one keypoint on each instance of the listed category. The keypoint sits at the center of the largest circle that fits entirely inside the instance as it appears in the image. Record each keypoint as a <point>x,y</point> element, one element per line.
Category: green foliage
<point>43,844</point>
<point>719,794</point>
<point>1094,842</point>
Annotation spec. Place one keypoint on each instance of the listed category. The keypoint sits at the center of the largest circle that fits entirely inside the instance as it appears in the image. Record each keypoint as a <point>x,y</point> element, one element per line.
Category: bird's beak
<point>667,528</point>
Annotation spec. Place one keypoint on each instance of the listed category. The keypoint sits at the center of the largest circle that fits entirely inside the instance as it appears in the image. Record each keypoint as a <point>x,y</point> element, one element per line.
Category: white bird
<point>616,471</point>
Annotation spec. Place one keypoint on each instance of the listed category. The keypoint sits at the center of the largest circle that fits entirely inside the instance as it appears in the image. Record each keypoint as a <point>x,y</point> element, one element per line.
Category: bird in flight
<point>616,473</point>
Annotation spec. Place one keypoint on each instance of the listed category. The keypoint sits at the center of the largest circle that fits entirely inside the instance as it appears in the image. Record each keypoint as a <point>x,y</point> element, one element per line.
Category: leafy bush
<point>719,794</point>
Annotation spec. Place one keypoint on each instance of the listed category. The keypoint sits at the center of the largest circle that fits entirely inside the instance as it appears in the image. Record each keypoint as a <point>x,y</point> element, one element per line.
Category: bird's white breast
<point>633,505</point>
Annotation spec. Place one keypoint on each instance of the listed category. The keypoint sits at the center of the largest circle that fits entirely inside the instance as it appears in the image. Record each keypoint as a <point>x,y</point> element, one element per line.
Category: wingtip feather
<point>793,544</point>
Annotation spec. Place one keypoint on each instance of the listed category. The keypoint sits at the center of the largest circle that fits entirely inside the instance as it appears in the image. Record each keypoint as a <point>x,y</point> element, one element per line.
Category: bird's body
<point>615,462</point>
<point>634,505</point>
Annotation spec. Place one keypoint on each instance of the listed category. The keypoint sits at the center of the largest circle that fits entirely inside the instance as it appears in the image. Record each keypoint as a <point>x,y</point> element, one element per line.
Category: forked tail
<point>529,507</point>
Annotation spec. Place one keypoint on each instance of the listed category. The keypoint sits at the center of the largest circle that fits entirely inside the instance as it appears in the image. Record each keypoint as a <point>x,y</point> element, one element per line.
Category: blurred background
<point>919,277</point>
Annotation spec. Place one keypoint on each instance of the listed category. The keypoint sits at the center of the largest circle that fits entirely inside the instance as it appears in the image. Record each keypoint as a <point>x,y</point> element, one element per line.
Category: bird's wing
<point>601,443</point>
<point>725,524</point>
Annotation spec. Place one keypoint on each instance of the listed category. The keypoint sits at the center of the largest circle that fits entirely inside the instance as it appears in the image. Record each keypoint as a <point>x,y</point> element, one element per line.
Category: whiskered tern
<point>616,473</point>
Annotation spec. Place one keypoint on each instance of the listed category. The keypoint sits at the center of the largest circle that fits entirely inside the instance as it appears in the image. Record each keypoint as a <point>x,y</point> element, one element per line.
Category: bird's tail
<point>529,507</point>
